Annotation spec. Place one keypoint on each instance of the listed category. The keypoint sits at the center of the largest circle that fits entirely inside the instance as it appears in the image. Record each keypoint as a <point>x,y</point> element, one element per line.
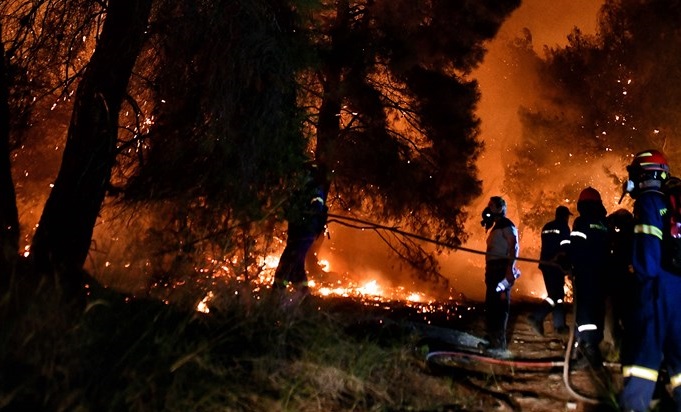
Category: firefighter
<point>306,216</point>
<point>655,332</point>
<point>588,254</point>
<point>620,274</point>
<point>555,235</point>
<point>500,271</point>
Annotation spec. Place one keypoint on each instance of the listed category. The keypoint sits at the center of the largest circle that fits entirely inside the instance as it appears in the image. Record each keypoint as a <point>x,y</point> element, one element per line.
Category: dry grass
<point>142,355</point>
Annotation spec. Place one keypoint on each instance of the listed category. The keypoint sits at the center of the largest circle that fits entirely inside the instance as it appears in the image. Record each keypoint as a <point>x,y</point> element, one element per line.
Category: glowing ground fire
<point>370,292</point>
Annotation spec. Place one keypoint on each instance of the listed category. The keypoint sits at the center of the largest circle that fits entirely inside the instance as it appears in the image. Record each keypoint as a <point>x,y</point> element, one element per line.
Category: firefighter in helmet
<point>500,271</point>
<point>588,254</point>
<point>619,277</point>
<point>653,334</point>
<point>306,215</point>
<point>555,235</point>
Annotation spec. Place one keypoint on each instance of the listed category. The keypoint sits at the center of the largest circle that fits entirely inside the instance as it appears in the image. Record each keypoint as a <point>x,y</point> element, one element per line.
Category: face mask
<point>487,218</point>
<point>627,187</point>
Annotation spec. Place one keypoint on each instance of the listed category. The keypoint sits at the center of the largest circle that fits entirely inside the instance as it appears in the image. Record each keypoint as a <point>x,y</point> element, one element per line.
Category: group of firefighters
<point>616,258</point>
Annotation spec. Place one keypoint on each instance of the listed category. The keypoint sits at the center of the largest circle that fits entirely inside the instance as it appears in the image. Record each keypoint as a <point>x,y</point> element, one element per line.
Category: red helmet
<point>649,160</point>
<point>589,194</point>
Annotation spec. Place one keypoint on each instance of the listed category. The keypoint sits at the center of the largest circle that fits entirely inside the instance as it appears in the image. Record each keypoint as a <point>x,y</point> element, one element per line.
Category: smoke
<point>361,252</point>
<point>540,24</point>
<point>504,90</point>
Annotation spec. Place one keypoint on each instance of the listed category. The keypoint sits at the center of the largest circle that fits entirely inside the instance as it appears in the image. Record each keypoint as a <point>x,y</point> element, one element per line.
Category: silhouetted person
<point>306,215</point>
<point>554,236</point>
<point>588,253</point>
<point>619,276</point>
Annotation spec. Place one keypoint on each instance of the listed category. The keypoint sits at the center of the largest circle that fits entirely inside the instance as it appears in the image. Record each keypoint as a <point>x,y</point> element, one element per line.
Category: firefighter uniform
<point>306,217</point>
<point>655,332</point>
<point>619,279</point>
<point>588,255</point>
<point>555,236</point>
<point>500,271</point>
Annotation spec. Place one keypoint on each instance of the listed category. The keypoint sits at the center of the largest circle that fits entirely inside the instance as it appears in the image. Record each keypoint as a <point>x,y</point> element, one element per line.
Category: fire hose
<point>371,225</point>
<point>516,363</point>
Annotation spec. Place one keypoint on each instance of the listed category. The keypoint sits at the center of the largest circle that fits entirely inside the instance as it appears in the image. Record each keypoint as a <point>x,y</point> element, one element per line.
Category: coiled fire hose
<point>507,362</point>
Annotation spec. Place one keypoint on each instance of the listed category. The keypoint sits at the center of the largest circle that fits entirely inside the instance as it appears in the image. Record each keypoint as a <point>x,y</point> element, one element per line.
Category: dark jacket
<point>307,212</point>
<point>554,236</point>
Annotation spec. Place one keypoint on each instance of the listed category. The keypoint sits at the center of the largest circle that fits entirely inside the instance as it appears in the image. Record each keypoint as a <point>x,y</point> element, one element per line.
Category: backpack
<point>671,238</point>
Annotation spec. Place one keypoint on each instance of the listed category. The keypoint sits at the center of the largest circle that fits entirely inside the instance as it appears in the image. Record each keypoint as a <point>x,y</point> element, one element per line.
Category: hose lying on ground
<point>514,363</point>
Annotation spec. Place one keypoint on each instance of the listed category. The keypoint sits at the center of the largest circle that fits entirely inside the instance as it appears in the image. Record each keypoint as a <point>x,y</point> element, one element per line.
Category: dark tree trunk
<point>328,125</point>
<point>9,217</point>
<point>62,240</point>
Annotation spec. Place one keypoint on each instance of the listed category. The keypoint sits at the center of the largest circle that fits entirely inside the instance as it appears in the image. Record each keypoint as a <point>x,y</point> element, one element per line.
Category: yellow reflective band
<point>580,234</point>
<point>550,231</point>
<point>565,242</point>
<point>597,226</point>
<point>550,301</point>
<point>639,372</point>
<point>317,199</point>
<point>649,230</point>
<point>675,381</point>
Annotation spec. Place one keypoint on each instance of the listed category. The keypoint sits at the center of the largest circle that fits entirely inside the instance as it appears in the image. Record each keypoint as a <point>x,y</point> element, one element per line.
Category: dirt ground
<point>532,378</point>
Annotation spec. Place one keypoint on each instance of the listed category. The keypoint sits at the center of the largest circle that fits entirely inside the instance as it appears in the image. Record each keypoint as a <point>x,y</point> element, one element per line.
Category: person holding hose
<point>555,235</point>
<point>588,254</point>
<point>653,334</point>
<point>500,270</point>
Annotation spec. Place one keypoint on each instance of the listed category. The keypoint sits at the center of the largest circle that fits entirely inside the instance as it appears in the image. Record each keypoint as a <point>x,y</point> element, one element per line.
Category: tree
<point>614,93</point>
<point>9,216</point>
<point>221,91</point>
<point>44,43</point>
<point>63,238</point>
<point>392,111</point>
<point>225,146</point>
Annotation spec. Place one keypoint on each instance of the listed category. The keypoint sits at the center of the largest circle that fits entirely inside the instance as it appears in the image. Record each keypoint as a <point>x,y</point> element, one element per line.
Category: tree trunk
<point>328,125</point>
<point>62,240</point>
<point>9,216</point>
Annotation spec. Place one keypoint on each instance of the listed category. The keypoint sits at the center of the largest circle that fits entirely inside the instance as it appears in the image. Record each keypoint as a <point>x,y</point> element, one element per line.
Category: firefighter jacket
<point>588,246</point>
<point>307,213</point>
<point>555,235</point>
<point>649,212</point>
<point>654,333</point>
<point>498,245</point>
<point>588,252</point>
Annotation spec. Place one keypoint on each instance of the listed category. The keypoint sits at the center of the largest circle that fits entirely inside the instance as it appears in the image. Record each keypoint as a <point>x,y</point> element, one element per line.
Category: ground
<point>532,379</point>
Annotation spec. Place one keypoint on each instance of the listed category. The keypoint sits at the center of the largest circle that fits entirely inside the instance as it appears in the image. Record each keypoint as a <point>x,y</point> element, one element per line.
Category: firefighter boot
<point>588,356</point>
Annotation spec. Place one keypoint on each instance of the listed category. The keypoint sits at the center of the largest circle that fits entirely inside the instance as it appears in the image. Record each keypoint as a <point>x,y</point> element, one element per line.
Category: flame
<point>203,305</point>
<point>369,290</point>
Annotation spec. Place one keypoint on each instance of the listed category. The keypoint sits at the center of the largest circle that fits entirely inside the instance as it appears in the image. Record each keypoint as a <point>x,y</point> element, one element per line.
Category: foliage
<point>248,354</point>
<point>214,125</point>
<point>225,128</point>
<point>47,44</point>
<point>392,113</point>
<point>599,99</point>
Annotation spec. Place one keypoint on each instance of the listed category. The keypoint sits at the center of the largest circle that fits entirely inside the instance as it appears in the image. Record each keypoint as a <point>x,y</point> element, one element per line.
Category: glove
<point>503,285</point>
